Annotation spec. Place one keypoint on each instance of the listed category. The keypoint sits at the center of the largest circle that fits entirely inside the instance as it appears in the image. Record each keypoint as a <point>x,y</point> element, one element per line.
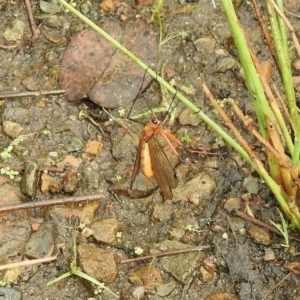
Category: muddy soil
<point>71,149</point>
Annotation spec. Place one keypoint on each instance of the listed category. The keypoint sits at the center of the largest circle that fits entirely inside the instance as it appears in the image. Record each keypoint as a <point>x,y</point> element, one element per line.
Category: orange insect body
<point>146,166</point>
<point>151,159</point>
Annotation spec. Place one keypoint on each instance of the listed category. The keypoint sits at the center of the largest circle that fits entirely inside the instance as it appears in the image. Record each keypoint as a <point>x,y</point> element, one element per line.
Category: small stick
<point>164,254</point>
<point>257,222</point>
<point>57,201</point>
<point>122,125</point>
<point>33,93</point>
<point>4,47</point>
<point>275,286</point>
<point>27,262</point>
<point>90,119</point>
<point>261,223</point>
<point>41,169</point>
<point>255,161</point>
<point>35,30</point>
<point>265,31</point>
<point>283,162</point>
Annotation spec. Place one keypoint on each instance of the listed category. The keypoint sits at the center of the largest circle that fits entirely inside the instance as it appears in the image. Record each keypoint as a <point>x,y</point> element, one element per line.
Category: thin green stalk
<point>253,82</point>
<point>282,199</point>
<point>283,229</point>
<point>296,152</point>
<point>262,109</point>
<point>283,33</point>
<point>278,30</point>
<point>283,127</point>
<point>287,72</point>
<point>63,276</point>
<point>261,105</point>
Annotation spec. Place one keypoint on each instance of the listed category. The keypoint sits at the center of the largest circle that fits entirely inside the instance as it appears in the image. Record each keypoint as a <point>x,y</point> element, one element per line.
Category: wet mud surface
<point>64,149</point>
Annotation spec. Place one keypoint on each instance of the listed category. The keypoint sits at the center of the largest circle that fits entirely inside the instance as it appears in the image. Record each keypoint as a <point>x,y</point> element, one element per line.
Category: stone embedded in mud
<point>108,5</point>
<point>86,232</point>
<point>180,266</point>
<point>13,237</point>
<point>11,129</point>
<point>237,224</point>
<point>70,182</point>
<point>165,290</point>
<point>99,264</point>
<point>176,234</point>
<point>69,160</point>
<point>74,145</point>
<point>188,117</point>
<point>90,177</point>
<point>14,31</point>
<point>105,231</point>
<point>221,296</point>
<point>43,242</point>
<point>142,187</point>
<point>85,213</point>
<point>202,186</point>
<point>143,204</point>
<point>269,255</point>
<point>148,275</point>
<point>260,235</point>
<point>138,292</point>
<point>49,183</point>
<point>232,204</point>
<point>11,195</point>
<point>30,179</point>
<point>144,2</point>
<point>10,293</point>
<point>251,185</point>
<point>162,211</point>
<point>88,212</point>
<point>55,187</point>
<point>10,276</point>
<point>205,44</point>
<point>225,63</point>
<point>93,148</point>
<point>204,275</point>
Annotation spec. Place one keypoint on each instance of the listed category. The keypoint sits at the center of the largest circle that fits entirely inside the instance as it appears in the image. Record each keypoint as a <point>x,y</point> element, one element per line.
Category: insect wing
<point>163,172</point>
<point>137,163</point>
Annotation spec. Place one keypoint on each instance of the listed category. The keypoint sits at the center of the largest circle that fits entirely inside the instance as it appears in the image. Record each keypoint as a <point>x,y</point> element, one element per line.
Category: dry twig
<point>164,254</point>
<point>51,202</point>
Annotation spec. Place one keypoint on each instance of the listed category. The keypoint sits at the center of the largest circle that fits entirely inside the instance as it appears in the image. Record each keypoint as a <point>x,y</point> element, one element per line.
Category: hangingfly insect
<point>151,159</point>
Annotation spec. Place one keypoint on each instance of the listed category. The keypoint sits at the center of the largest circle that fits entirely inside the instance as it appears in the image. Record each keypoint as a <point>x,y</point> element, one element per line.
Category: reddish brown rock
<point>99,264</point>
<point>104,231</point>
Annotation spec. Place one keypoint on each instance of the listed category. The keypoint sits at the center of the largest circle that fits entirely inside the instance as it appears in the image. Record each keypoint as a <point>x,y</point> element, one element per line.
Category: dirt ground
<point>71,149</point>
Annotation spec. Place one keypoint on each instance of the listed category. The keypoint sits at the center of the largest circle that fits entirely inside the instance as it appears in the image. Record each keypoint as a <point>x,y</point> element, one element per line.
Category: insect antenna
<point>170,109</point>
<point>169,114</point>
<point>135,99</point>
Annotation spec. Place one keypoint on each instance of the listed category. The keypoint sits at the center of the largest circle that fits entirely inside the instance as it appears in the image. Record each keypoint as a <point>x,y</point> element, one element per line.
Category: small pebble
<point>138,292</point>
<point>53,154</point>
<point>269,255</point>
<point>260,235</point>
